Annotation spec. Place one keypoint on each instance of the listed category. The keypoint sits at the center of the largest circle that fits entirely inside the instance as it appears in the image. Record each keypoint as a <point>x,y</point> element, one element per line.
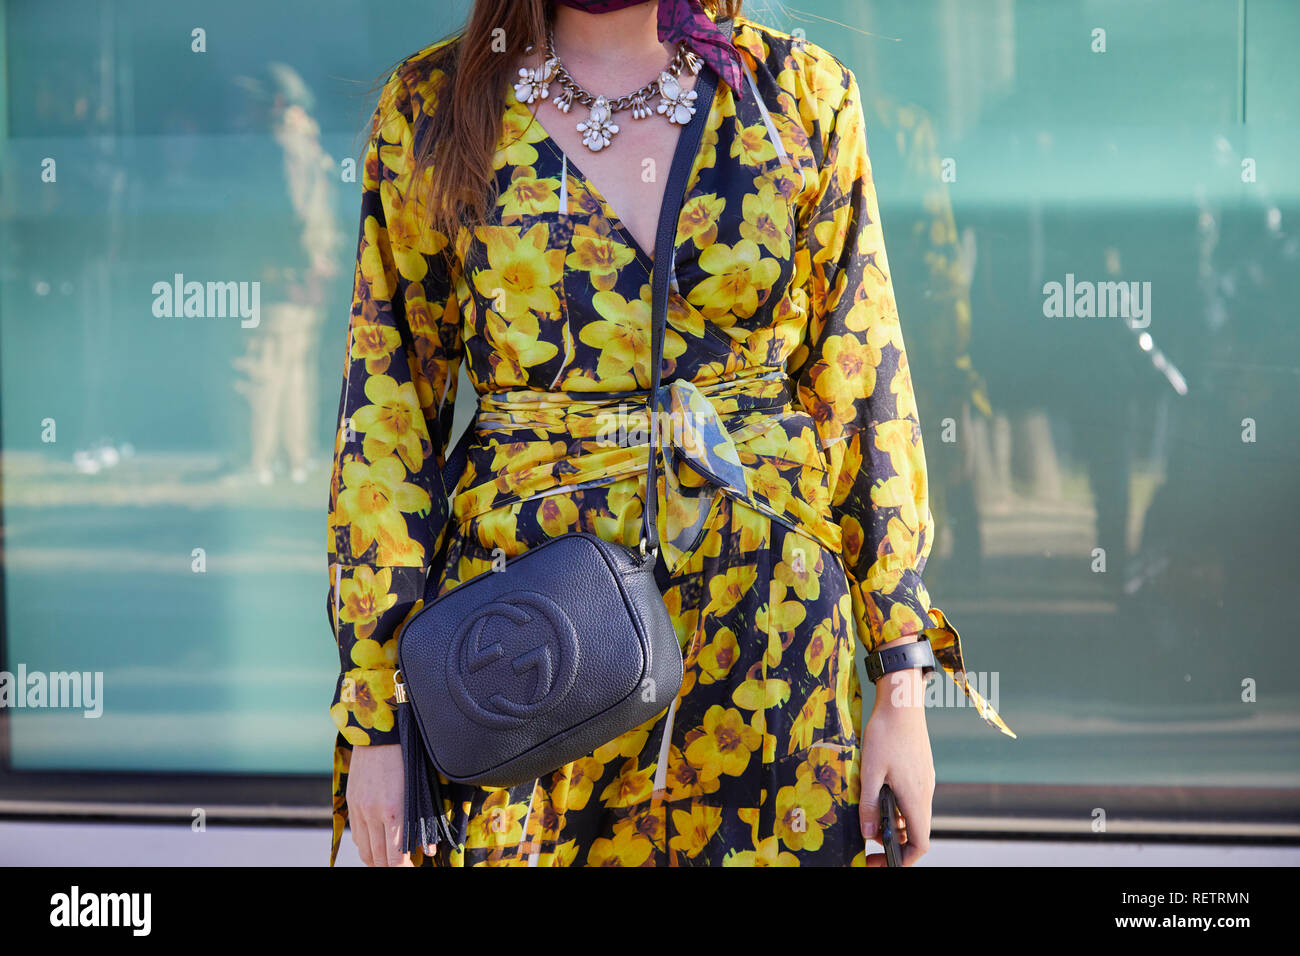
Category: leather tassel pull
<point>424,821</point>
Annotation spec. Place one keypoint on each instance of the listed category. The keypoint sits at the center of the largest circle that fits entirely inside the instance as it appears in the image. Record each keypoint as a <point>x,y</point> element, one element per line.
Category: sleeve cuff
<point>369,611</point>
<point>897,606</point>
<point>363,708</point>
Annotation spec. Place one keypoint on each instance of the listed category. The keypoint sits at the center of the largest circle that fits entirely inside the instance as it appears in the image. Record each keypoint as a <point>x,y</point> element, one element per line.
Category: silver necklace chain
<point>598,129</point>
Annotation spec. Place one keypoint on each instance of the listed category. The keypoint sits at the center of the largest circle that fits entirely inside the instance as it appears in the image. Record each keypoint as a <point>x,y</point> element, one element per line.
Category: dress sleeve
<point>852,377</point>
<point>387,508</point>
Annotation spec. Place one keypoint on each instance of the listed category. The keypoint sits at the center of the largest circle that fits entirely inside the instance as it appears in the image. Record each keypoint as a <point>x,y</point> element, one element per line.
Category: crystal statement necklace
<point>598,129</point>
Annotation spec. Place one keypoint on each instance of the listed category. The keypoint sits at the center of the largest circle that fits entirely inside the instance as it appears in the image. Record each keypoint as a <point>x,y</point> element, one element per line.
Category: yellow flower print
<point>799,810</point>
<point>768,853</point>
<point>874,309</point>
<point>375,344</point>
<point>767,220</point>
<point>726,590</point>
<point>372,502</point>
<point>647,821</point>
<point>429,86</point>
<point>829,767</point>
<point>902,620</point>
<point>409,236</point>
<point>882,580</point>
<point>779,616</point>
<point>624,745</point>
<point>719,656</point>
<point>853,539</point>
<point>557,515</point>
<point>898,493</point>
<point>726,744</point>
<point>422,321</point>
<point>515,456</point>
<point>684,781</point>
<point>753,530</point>
<point>788,183</point>
<point>377,273</point>
<point>599,255</point>
<point>368,687</point>
<point>848,127</point>
<point>393,422</point>
<point>753,146</point>
<point>811,717</point>
<point>626,848</point>
<point>898,437</point>
<point>629,787</point>
<point>396,158</point>
<point>761,694</point>
<point>566,854</point>
<point>830,417</point>
<point>353,734</point>
<point>699,219</point>
<point>624,501</point>
<point>819,647</point>
<point>623,338</point>
<point>827,232</point>
<point>901,387</point>
<point>583,774</point>
<point>800,567</point>
<point>528,196</point>
<point>411,263</point>
<point>694,828</point>
<point>850,367</point>
<point>522,271</point>
<point>518,134</point>
<point>499,529</point>
<point>364,597</point>
<point>517,345</point>
<point>498,822</point>
<point>373,655</point>
<point>823,80</point>
<point>738,276</point>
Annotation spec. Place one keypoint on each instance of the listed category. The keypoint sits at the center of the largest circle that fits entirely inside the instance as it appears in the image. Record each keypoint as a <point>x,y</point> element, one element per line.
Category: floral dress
<point>793,505</point>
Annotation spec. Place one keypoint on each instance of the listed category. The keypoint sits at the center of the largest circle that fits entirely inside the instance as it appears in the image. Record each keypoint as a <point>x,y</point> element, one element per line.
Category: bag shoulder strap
<point>665,249</point>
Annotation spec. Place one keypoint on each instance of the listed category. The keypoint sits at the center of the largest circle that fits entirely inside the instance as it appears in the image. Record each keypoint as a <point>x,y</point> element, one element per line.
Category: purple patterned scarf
<point>684,20</point>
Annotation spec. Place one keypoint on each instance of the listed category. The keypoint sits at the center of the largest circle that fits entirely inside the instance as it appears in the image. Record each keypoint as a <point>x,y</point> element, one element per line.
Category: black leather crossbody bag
<point>517,672</point>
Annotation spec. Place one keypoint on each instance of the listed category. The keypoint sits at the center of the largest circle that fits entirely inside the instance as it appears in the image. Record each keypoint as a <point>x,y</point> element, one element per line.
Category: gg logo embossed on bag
<point>513,660</point>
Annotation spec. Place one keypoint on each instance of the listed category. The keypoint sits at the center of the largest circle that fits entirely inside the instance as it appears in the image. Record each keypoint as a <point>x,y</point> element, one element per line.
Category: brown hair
<point>458,140</point>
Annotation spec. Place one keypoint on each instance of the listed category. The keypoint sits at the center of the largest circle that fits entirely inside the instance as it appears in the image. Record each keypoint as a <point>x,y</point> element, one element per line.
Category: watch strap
<point>896,657</point>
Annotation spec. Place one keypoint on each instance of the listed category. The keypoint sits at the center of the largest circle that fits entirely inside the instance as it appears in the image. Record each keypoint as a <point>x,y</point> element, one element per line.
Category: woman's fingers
<point>914,800</point>
<point>392,821</point>
<point>378,845</point>
<point>873,778</point>
<point>360,835</point>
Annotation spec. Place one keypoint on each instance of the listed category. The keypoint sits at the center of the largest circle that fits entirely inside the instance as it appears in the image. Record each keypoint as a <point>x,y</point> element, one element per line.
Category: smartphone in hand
<point>889,827</point>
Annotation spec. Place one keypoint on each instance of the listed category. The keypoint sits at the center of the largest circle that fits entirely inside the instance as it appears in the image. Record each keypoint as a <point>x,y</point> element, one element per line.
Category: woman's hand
<point>375,792</point>
<point>896,751</point>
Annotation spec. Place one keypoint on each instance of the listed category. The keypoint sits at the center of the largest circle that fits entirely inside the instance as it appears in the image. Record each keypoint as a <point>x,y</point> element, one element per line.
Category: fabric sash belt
<point>725,438</point>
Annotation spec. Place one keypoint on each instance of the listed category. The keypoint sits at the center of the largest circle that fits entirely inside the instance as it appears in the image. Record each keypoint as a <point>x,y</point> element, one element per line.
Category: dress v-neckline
<point>607,210</point>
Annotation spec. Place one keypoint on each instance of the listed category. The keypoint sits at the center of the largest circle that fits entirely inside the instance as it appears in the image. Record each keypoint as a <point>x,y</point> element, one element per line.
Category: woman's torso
<point>554,294</point>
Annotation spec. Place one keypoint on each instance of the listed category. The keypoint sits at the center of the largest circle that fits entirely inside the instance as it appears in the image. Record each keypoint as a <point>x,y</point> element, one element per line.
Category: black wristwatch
<point>896,657</point>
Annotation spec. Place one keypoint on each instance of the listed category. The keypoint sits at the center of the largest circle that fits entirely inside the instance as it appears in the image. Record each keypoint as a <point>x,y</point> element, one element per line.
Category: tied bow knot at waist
<point>732,438</point>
